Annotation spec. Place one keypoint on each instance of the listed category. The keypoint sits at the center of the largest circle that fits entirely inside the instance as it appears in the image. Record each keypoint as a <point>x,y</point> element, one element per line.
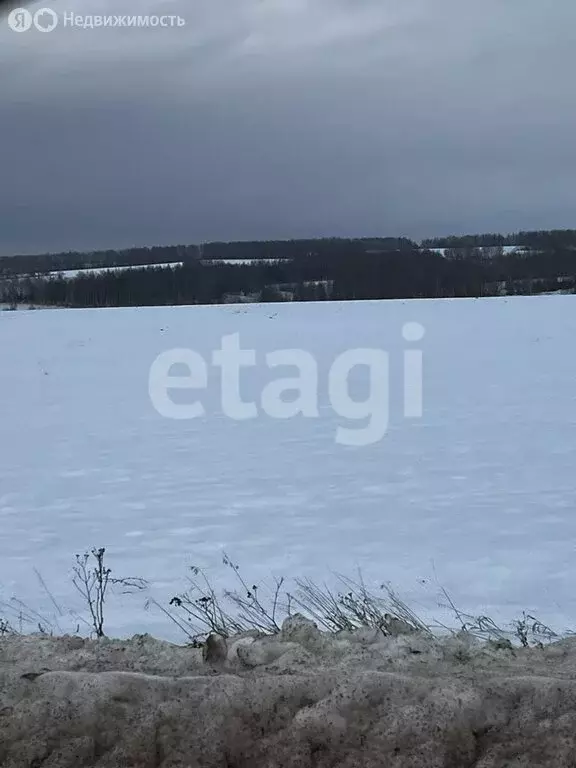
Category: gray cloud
<point>287,118</point>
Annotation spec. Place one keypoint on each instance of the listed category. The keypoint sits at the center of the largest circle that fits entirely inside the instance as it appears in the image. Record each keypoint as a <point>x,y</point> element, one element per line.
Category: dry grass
<point>199,610</point>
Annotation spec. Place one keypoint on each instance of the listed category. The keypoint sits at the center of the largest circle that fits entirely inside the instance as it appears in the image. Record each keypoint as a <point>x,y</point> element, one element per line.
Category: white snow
<point>69,274</point>
<point>507,250</point>
<point>244,262</point>
<point>478,496</point>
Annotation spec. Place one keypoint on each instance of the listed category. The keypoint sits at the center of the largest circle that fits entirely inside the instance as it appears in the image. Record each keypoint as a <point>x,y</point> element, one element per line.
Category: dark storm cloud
<point>269,118</point>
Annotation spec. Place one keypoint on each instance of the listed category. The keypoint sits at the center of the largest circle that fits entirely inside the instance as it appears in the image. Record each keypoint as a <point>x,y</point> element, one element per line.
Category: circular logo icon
<point>20,20</point>
<point>45,20</point>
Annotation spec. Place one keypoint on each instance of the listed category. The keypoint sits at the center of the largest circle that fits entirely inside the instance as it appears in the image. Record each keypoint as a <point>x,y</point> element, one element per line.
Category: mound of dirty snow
<point>300,699</point>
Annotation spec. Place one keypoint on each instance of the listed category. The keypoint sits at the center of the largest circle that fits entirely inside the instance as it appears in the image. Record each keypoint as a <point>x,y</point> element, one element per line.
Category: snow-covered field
<point>507,250</point>
<point>477,496</point>
<point>244,262</point>
<point>70,274</point>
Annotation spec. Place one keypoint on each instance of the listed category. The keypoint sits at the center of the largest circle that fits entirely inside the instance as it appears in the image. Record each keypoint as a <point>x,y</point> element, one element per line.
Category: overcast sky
<point>288,118</point>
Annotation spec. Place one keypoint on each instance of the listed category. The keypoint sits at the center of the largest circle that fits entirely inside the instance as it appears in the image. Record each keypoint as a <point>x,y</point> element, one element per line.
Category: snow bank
<point>300,699</point>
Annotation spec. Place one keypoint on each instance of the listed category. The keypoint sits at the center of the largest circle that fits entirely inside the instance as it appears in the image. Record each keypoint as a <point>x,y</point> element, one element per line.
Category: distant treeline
<point>328,269</point>
<point>273,249</point>
<point>264,249</point>
<point>554,238</point>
